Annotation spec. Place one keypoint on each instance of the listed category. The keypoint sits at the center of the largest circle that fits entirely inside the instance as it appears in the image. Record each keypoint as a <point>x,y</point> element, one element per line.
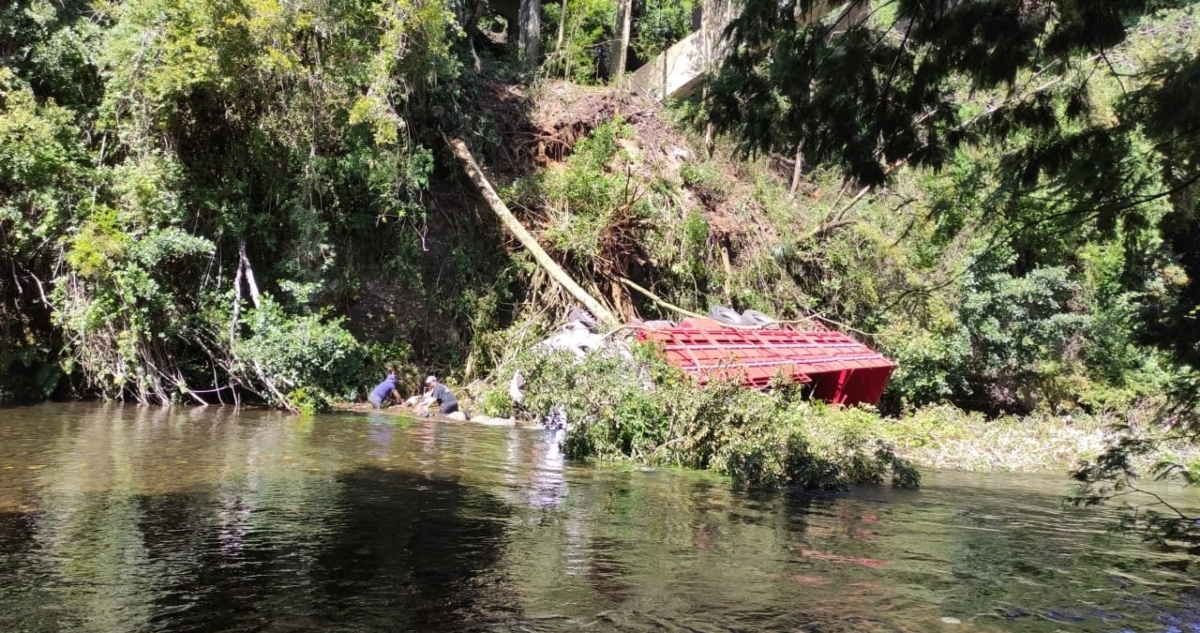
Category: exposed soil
<point>567,112</point>
<point>542,125</point>
<point>528,129</point>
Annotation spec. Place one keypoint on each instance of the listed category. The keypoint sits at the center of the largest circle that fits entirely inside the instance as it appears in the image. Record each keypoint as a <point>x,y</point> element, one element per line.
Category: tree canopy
<point>918,80</point>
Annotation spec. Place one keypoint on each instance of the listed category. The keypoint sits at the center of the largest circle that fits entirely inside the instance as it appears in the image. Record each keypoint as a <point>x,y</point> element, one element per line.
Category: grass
<point>946,438</point>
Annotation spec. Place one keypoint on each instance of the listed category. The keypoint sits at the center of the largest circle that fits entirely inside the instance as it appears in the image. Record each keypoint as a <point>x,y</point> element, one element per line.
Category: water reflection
<point>148,519</point>
<point>134,519</point>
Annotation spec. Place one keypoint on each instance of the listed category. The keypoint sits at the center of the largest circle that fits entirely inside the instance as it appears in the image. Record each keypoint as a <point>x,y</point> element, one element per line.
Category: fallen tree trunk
<point>527,240</point>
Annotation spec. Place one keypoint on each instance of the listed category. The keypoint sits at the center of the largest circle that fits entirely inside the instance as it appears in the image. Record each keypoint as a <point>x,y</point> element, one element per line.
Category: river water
<point>124,519</point>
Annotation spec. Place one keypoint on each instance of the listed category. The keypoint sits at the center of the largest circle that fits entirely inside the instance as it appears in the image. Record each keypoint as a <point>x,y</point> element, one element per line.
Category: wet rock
<point>488,420</point>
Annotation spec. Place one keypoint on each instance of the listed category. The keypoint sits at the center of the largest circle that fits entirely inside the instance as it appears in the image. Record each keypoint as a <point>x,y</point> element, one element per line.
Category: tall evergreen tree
<point>904,86</point>
<point>920,79</point>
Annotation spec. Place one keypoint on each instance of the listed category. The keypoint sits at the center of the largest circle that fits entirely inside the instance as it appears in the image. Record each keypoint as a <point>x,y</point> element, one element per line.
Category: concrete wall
<point>679,71</point>
<point>674,74</point>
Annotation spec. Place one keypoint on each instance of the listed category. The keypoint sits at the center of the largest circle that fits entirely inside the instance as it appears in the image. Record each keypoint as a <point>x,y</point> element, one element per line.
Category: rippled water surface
<point>125,519</point>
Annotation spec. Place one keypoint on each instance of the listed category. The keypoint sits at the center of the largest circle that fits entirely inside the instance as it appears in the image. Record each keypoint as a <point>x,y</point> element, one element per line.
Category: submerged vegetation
<point>255,202</point>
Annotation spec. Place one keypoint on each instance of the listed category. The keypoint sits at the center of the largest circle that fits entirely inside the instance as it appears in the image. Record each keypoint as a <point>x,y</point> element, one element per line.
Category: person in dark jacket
<point>383,390</point>
<point>440,394</point>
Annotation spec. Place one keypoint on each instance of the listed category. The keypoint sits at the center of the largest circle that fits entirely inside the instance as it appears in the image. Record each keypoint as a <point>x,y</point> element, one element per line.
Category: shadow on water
<point>394,551</point>
<point>430,546</point>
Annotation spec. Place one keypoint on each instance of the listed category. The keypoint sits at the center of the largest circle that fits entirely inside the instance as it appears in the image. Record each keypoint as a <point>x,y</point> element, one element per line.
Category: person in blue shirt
<point>383,390</point>
<point>438,393</point>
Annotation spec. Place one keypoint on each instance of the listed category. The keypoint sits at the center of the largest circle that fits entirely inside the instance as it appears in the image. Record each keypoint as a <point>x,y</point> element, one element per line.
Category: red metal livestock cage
<point>840,369</point>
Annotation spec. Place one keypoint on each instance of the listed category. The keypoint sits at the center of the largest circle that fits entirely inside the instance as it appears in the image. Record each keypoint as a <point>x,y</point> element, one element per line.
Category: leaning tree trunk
<point>527,240</point>
<point>797,170</point>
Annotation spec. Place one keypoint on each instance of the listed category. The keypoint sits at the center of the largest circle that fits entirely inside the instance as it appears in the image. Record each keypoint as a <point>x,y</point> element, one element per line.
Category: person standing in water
<point>440,394</point>
<point>383,390</point>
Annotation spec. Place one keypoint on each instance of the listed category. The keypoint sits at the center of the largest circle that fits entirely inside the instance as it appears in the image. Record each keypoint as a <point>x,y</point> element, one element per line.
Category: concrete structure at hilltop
<point>677,72</point>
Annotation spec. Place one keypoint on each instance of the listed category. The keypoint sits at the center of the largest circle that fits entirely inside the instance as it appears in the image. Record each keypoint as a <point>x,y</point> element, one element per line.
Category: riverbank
<point>946,438</point>
<point>642,410</point>
<point>763,440</point>
<point>782,439</point>
<point>408,413</point>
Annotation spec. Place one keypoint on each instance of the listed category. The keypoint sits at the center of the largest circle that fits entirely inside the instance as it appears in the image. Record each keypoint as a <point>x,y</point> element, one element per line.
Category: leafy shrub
<point>639,408</point>
<point>1016,325</point>
<point>494,401</point>
<point>703,177</point>
<point>309,401</point>
<point>305,356</point>
<point>26,376</point>
<point>594,212</point>
<point>931,365</point>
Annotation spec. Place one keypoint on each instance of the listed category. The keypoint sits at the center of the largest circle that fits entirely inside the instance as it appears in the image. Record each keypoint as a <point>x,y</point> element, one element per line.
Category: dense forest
<point>215,200</point>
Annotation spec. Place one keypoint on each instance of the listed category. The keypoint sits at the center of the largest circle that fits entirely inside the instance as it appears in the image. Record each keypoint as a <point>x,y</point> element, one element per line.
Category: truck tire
<point>721,314</point>
<point>754,317</point>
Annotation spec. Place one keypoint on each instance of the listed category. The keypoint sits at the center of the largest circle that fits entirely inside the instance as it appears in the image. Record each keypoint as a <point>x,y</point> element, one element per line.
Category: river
<point>125,519</point>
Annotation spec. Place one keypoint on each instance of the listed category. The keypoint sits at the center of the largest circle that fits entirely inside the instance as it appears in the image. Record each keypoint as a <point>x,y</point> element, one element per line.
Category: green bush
<point>639,408</point>
<point>309,401</point>
<point>591,209</point>
<point>305,356</point>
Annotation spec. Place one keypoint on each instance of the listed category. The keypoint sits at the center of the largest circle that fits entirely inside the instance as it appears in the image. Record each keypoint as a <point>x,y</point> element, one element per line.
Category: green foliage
<point>44,172</point>
<point>703,178</point>
<point>308,401</point>
<point>587,31</point>
<point>296,129</point>
<point>26,375</point>
<point>1077,113</point>
<point>932,365</point>
<point>52,47</point>
<point>658,25</point>
<point>115,306</point>
<point>44,175</point>
<point>591,204</point>
<point>1015,325</point>
<point>310,359</point>
<point>641,409</point>
<point>494,401</point>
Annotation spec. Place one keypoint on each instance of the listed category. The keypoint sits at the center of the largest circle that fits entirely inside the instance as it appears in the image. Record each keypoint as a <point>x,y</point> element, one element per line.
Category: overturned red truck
<point>838,368</point>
